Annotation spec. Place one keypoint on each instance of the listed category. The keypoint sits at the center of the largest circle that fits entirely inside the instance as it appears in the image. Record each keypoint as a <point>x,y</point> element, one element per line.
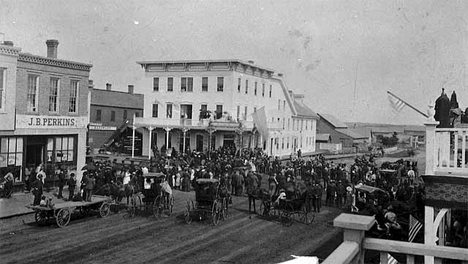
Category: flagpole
<point>412,107</point>
<point>133,137</point>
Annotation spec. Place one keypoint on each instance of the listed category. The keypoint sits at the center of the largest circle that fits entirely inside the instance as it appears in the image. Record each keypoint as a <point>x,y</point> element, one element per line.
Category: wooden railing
<point>354,244</point>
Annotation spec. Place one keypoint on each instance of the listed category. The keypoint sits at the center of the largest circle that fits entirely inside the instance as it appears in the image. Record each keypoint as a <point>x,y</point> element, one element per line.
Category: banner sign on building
<point>99,126</point>
<point>47,121</point>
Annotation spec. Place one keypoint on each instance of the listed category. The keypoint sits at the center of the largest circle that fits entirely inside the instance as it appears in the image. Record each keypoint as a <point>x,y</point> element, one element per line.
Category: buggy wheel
<point>104,210</point>
<point>41,216</point>
<point>63,217</point>
<point>187,216</point>
<point>265,208</point>
<point>223,210</point>
<point>215,213</point>
<point>131,208</point>
<point>158,207</point>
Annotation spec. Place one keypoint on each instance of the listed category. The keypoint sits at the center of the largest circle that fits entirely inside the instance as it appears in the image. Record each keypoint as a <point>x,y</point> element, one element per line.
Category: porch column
<point>184,131</point>
<point>167,137</point>
<point>133,141</point>
<point>150,129</point>
<point>431,151</point>
<point>210,131</point>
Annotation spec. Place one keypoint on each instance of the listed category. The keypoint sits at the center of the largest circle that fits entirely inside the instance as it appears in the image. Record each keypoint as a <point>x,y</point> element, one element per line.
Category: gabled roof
<point>350,133</point>
<point>303,110</point>
<point>333,121</point>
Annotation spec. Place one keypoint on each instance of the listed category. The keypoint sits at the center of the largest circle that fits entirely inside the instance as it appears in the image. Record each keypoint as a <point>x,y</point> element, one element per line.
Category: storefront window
<point>11,157</point>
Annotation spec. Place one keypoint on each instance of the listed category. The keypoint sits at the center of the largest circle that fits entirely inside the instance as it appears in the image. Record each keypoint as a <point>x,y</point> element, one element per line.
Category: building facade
<point>110,114</point>
<point>49,105</point>
<point>211,104</point>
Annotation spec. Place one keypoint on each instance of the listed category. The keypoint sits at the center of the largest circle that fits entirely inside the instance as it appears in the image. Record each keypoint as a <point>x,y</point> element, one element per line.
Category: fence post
<point>430,146</point>
<point>354,228</point>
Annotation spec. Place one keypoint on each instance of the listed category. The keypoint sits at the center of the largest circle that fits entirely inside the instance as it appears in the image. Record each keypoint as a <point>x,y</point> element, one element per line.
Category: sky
<point>343,55</point>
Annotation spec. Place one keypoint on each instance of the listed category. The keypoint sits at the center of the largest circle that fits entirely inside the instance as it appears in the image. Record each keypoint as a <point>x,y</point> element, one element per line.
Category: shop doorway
<point>35,151</point>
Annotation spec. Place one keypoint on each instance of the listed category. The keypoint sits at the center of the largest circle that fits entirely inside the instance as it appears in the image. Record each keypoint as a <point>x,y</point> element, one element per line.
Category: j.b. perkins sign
<point>38,121</point>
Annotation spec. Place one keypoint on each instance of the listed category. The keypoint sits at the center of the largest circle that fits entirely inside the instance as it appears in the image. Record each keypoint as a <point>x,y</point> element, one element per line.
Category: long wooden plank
<point>68,204</point>
<point>415,249</point>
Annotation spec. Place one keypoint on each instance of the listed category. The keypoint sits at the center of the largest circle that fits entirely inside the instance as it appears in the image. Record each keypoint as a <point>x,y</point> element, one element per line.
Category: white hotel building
<point>176,92</point>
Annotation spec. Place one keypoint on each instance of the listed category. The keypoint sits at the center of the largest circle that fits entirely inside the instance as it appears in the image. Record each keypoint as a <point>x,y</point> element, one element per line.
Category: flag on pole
<point>414,227</point>
<point>259,118</point>
<point>396,103</point>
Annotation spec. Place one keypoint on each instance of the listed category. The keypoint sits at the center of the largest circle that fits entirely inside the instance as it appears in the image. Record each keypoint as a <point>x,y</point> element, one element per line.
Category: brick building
<point>110,114</point>
<point>48,101</point>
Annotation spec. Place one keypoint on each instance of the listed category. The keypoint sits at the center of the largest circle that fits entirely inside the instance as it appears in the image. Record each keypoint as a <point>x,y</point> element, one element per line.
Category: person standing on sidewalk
<point>89,188</point>
<point>71,186</point>
<point>37,189</point>
<point>61,181</point>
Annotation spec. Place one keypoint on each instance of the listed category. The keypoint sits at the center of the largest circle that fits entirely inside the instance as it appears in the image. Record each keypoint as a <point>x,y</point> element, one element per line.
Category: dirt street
<point>120,239</point>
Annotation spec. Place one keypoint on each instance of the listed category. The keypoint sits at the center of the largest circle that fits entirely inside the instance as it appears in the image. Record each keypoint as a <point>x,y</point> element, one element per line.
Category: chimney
<point>251,62</point>
<point>108,86</point>
<point>130,89</point>
<point>90,84</point>
<point>52,45</point>
<point>8,43</point>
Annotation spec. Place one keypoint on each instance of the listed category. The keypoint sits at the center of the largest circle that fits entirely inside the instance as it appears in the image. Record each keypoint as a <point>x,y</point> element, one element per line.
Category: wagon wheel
<point>187,216</point>
<point>224,209</point>
<point>41,216</point>
<point>265,208</point>
<point>63,217</point>
<point>286,213</point>
<point>104,210</point>
<point>215,213</point>
<point>158,207</point>
<point>131,208</point>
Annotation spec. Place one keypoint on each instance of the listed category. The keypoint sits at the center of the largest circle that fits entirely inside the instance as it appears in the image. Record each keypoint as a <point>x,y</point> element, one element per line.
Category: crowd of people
<point>335,184</point>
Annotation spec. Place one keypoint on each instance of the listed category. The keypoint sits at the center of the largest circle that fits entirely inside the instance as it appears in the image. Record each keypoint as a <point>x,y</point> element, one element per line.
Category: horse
<point>258,193</point>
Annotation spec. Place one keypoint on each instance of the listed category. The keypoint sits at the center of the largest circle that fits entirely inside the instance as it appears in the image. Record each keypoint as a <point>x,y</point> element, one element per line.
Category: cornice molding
<point>54,62</point>
<point>11,51</point>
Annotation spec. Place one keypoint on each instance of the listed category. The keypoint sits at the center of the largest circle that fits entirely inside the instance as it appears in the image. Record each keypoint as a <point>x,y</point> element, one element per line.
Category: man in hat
<point>442,110</point>
<point>71,182</point>
<point>37,189</point>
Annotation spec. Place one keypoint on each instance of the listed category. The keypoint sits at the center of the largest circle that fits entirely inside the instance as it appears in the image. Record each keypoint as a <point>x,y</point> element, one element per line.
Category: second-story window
<point>170,84</point>
<point>245,113</point>
<point>98,115</point>
<point>125,115</point>
<point>32,93</point>
<point>246,86</point>
<point>239,85</point>
<point>255,89</point>
<point>204,84</point>
<point>238,112</point>
<point>155,110</point>
<point>284,104</point>
<point>186,84</point>
<point>169,111</point>
<point>220,84</point>
<point>263,90</point>
<point>73,99</point>
<point>155,84</point>
<point>112,116</point>
<point>219,111</point>
<point>53,94</point>
<point>270,90</point>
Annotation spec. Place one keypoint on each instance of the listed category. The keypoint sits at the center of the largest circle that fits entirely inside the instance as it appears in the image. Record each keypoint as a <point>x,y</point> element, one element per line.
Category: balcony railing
<point>191,123</point>
<point>354,245</point>
<point>446,150</point>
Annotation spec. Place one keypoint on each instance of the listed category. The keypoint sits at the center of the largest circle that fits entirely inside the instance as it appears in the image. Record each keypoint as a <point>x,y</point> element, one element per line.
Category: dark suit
<point>37,191</point>
<point>442,111</point>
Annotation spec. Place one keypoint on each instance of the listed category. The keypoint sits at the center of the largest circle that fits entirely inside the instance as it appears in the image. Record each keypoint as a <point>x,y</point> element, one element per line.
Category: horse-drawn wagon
<point>62,212</point>
<point>288,209</point>
<point>156,196</point>
<point>209,202</point>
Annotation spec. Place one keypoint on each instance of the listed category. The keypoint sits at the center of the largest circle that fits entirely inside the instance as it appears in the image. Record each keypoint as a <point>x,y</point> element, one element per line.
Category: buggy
<point>288,210</point>
<point>208,202</point>
<point>157,197</point>
<point>364,193</point>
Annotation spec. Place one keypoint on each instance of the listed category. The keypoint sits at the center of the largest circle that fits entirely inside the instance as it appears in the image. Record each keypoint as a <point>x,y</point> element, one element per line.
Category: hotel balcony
<point>446,185</point>
<point>180,123</point>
